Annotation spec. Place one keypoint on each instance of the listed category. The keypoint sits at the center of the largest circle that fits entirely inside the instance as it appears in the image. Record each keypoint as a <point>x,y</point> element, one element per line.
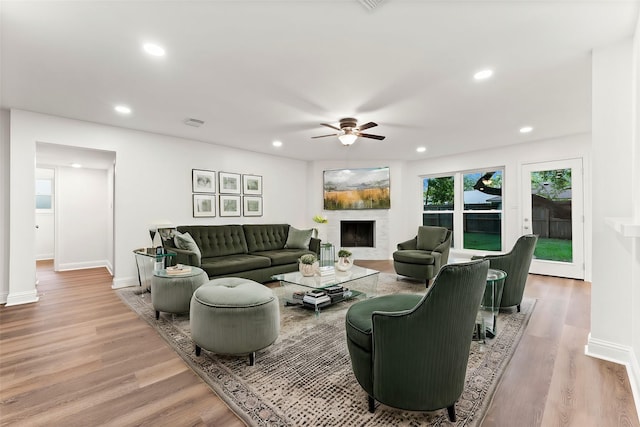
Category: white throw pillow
<point>186,242</point>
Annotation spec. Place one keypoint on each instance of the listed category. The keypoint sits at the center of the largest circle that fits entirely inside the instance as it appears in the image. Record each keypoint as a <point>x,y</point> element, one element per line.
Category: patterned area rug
<point>305,377</point>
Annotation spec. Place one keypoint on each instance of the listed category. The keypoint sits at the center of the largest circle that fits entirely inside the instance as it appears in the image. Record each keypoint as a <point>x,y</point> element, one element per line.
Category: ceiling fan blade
<point>330,126</point>
<point>367,126</point>
<point>368,135</point>
<point>324,136</point>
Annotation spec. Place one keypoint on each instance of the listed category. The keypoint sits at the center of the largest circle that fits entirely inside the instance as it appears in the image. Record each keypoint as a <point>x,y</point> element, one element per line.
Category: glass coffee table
<point>316,292</point>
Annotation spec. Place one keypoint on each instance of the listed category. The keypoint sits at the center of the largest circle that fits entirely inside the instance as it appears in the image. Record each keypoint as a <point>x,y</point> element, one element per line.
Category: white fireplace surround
<point>330,232</point>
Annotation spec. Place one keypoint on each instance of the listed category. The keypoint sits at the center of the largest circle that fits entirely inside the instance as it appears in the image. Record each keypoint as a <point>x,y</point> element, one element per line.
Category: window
<point>44,194</point>
<point>466,201</point>
<point>438,202</point>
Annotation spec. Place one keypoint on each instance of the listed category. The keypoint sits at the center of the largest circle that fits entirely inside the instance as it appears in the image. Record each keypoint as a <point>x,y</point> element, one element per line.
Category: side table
<point>486,322</point>
<point>148,261</point>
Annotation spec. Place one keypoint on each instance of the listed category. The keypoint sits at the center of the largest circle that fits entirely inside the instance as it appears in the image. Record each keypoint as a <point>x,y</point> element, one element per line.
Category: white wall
<point>615,297</point>
<point>152,183</point>
<point>511,158</point>
<point>4,204</point>
<point>82,218</point>
<point>387,220</point>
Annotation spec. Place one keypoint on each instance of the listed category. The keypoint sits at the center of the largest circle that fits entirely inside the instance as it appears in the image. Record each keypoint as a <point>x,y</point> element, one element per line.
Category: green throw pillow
<point>430,237</point>
<point>186,242</point>
<point>298,239</point>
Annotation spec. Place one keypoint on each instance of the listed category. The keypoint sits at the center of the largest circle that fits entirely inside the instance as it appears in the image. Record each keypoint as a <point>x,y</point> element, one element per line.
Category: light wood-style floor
<point>80,357</point>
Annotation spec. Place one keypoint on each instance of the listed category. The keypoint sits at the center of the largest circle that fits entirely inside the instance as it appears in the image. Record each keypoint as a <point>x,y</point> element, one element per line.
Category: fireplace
<point>357,234</point>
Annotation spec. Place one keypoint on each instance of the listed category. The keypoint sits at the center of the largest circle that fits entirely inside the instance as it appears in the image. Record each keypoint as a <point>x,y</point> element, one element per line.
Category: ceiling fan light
<point>347,138</point>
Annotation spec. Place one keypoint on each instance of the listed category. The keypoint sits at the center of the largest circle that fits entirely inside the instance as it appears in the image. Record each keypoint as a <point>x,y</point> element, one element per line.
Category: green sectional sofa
<point>250,251</point>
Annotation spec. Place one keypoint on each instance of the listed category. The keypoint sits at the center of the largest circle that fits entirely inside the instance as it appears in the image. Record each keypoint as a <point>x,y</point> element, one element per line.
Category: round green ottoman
<point>172,294</point>
<point>234,316</point>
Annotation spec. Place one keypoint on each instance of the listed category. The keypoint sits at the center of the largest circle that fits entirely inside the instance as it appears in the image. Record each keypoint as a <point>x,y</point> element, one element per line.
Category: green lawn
<point>482,241</point>
<point>547,249</point>
<point>554,250</point>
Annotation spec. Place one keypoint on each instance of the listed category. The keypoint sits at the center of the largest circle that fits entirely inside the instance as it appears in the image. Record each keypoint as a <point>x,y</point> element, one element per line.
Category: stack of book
<point>298,297</point>
<point>327,275</point>
<point>337,293</point>
<point>316,299</point>
<point>179,269</point>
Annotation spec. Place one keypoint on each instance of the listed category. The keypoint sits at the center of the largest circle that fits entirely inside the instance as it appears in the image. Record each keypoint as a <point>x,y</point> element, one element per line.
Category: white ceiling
<point>257,71</point>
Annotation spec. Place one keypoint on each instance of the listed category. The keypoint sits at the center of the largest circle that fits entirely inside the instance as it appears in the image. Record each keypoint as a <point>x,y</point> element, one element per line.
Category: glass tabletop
<point>151,252</point>
<point>323,281</point>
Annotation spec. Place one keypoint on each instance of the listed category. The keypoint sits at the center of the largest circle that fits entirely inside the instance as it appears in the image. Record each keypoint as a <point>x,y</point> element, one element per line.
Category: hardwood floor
<point>80,357</point>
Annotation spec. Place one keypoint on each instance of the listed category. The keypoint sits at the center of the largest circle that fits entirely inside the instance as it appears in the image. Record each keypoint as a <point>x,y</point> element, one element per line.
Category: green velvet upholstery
<point>516,264</point>
<point>234,316</point>
<point>265,237</point>
<point>251,251</point>
<point>411,261</point>
<point>411,352</point>
<point>173,294</point>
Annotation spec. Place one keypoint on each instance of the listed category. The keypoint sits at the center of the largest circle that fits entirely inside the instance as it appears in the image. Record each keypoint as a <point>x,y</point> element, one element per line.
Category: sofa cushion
<point>265,237</point>
<point>229,264</point>
<point>217,240</point>
<point>186,242</point>
<point>298,239</point>
<point>411,256</point>
<point>284,256</point>
<point>430,237</point>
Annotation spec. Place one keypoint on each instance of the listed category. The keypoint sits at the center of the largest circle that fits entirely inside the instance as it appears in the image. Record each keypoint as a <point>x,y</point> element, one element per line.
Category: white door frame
<point>576,268</point>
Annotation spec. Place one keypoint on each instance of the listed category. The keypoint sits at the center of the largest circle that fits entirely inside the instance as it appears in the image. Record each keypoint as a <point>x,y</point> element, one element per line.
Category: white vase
<point>308,269</point>
<point>344,263</point>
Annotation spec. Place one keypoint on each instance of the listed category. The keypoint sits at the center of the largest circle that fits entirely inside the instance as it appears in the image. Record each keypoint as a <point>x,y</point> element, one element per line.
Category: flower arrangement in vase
<point>308,265</point>
<point>345,260</point>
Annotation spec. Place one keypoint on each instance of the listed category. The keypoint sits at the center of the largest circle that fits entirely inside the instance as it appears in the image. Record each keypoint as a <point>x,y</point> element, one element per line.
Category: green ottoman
<point>172,294</point>
<point>231,315</point>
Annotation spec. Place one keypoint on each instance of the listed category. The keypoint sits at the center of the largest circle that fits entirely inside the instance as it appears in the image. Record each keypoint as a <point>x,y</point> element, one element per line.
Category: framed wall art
<point>203,181</point>
<point>229,205</point>
<point>367,188</point>
<point>229,183</point>
<point>252,185</point>
<point>204,205</point>
<point>252,206</point>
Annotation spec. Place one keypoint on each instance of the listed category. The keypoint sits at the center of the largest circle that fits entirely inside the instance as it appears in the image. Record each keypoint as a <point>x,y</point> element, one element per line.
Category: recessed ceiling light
<point>421,149</point>
<point>526,129</point>
<point>122,109</point>
<point>153,49</point>
<point>76,165</point>
<point>484,74</point>
<point>277,143</point>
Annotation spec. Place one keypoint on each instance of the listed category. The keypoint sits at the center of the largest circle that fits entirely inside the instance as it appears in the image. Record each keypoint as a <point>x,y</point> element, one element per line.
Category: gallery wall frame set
<point>237,194</point>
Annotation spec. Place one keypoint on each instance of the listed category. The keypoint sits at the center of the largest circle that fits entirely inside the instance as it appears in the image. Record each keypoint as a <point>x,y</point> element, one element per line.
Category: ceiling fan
<point>349,131</point>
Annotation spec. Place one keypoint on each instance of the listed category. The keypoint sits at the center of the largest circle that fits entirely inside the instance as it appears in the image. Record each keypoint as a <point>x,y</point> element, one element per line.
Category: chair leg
<point>198,349</point>
<point>451,410</point>
<point>157,314</point>
<point>252,358</point>
<point>518,307</point>
<point>372,404</point>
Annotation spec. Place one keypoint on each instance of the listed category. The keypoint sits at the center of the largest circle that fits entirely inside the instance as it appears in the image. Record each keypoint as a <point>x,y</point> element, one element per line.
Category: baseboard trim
<point>19,298</point>
<point>83,265</point>
<point>623,355</point>
<point>124,282</point>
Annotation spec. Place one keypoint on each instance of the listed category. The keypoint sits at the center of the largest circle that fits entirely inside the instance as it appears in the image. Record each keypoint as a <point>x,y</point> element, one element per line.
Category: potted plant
<point>345,260</point>
<point>308,264</point>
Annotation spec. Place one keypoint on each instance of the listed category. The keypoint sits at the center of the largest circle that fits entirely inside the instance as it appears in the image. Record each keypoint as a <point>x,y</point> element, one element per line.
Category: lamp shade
<point>347,138</point>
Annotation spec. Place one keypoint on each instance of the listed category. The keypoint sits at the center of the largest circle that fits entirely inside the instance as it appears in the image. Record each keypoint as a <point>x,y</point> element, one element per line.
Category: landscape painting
<point>367,188</point>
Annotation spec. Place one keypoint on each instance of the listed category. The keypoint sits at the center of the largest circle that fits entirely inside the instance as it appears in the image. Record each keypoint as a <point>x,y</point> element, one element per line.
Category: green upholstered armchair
<point>411,351</point>
<point>516,264</point>
<point>422,256</point>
